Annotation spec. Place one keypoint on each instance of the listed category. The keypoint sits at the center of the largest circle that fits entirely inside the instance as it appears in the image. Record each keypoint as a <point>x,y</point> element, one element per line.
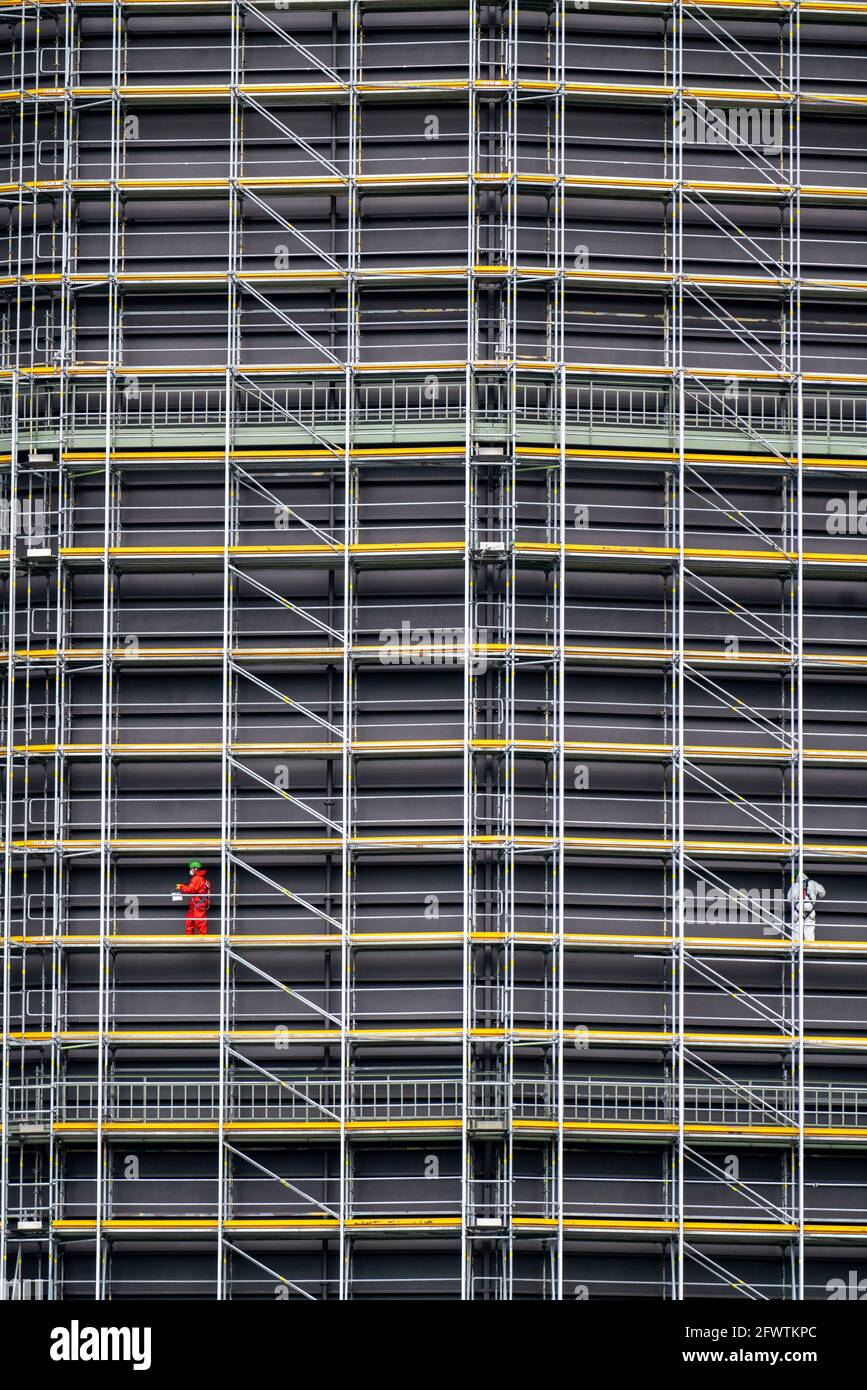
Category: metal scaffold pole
<point>468,1088</point>
<point>350,535</point>
<point>560,675</point>
<point>678,671</point>
<point>796,369</point>
<point>225,1159</point>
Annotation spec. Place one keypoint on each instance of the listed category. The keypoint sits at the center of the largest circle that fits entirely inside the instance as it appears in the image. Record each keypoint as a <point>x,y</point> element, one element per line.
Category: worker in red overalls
<point>199,890</point>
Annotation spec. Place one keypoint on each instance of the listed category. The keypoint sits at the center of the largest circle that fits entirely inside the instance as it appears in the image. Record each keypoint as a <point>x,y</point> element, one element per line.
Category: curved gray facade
<point>433,446</point>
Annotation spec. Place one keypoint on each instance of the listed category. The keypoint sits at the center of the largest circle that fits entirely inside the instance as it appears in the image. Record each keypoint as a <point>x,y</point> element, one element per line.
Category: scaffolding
<point>431,443</point>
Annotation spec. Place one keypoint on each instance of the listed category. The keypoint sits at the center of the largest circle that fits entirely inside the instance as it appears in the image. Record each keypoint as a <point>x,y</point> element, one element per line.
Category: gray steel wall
<point>328,327</point>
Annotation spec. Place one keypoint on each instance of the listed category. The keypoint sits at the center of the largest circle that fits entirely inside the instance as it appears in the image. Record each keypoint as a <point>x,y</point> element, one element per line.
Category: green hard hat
<point>195,864</point>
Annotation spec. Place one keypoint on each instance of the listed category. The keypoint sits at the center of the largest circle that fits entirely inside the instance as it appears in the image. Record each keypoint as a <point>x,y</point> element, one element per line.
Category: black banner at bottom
<point>62,1340</point>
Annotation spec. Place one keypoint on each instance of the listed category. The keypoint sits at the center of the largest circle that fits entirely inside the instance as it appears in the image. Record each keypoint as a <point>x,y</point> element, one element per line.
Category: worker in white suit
<point>803,895</point>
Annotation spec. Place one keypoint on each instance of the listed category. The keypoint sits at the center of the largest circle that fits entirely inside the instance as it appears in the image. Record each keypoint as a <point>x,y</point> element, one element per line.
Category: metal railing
<point>372,1099</point>
<point>390,403</point>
